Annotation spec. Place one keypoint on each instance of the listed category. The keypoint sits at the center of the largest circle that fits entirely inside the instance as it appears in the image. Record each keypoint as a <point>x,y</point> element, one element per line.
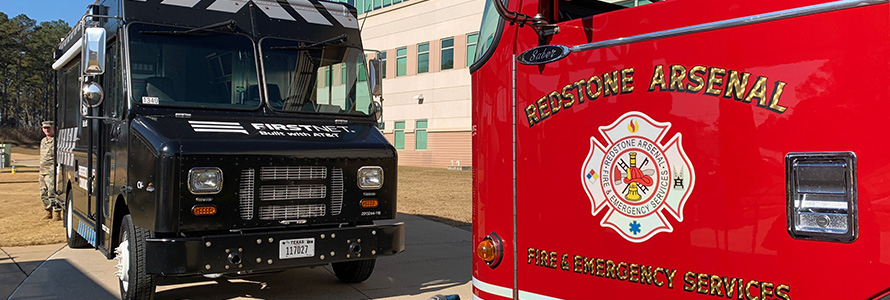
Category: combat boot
<point>49,215</point>
<point>57,215</point>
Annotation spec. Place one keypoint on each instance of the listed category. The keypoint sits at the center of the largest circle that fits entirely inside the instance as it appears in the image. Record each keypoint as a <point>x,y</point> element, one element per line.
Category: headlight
<point>370,178</point>
<point>205,180</point>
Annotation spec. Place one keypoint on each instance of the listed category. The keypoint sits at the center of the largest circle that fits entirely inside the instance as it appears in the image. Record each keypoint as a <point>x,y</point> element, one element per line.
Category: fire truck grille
<point>286,212</point>
<point>294,173</point>
<point>291,192</point>
<point>245,194</point>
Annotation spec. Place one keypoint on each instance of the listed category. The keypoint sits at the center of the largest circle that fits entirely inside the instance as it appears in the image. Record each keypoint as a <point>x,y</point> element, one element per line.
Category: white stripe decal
<point>308,11</point>
<point>341,14</point>
<point>185,3</point>
<point>273,10</point>
<point>476,297</point>
<point>214,123</point>
<point>492,289</point>
<point>217,126</point>
<point>229,6</point>
<point>506,292</point>
<point>221,130</point>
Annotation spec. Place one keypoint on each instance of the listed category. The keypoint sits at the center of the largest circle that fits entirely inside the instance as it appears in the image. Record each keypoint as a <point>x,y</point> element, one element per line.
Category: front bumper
<point>252,252</point>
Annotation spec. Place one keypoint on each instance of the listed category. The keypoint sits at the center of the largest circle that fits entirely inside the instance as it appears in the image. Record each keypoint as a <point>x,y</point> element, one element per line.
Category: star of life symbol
<point>636,177</point>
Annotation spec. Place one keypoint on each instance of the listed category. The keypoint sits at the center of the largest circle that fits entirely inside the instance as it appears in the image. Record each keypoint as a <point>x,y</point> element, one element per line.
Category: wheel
<point>74,239</point>
<point>354,271</point>
<point>130,254</point>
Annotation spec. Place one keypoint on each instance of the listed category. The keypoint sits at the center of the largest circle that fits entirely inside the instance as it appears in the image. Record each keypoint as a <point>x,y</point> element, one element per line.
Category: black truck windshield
<point>202,69</point>
<point>315,77</point>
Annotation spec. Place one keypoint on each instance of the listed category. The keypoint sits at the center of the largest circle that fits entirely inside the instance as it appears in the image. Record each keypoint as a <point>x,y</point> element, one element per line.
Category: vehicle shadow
<point>437,260</point>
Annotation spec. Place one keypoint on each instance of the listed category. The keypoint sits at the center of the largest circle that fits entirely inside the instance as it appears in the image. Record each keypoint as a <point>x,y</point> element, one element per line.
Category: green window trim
<point>401,61</point>
<point>423,58</point>
<point>472,39</point>
<point>398,135</point>
<point>420,135</point>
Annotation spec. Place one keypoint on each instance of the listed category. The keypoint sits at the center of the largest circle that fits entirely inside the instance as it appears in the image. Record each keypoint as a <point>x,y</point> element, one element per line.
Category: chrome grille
<point>336,191</point>
<point>294,173</point>
<point>292,192</point>
<point>245,194</point>
<point>286,212</point>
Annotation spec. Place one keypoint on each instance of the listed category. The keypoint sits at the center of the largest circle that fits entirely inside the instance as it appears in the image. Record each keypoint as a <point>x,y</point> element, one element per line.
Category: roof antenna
<point>367,13</point>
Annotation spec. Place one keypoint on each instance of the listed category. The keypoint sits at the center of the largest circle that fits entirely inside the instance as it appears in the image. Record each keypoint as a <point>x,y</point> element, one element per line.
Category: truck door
<point>113,133</point>
<point>654,163</point>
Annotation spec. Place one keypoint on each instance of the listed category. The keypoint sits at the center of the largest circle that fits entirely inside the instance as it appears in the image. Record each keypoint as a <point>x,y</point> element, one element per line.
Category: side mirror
<point>93,55</point>
<point>377,110</point>
<point>92,94</point>
<point>376,70</point>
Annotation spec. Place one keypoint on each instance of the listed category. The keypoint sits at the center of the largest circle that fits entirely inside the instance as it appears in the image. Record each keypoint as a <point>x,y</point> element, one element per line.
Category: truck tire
<point>73,238</point>
<point>354,271</point>
<point>130,254</point>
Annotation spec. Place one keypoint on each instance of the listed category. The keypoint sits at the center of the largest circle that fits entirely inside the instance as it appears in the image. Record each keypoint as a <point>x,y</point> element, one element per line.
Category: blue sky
<point>46,10</point>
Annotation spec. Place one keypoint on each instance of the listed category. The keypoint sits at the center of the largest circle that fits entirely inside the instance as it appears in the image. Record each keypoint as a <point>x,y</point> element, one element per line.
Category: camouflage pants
<point>46,185</point>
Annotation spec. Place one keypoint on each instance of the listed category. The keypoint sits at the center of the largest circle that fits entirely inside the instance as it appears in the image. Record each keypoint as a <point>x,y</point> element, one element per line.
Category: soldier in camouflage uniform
<point>47,180</point>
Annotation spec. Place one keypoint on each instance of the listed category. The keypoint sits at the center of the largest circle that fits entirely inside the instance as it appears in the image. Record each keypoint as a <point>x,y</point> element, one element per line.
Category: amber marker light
<point>204,210</point>
<point>369,203</point>
<point>490,250</point>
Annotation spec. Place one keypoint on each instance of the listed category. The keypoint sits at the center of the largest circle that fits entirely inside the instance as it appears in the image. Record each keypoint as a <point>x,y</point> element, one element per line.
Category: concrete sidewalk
<point>436,261</point>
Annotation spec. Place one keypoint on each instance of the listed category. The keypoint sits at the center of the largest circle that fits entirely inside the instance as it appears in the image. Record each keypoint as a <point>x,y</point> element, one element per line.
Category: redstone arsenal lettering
<point>717,82</point>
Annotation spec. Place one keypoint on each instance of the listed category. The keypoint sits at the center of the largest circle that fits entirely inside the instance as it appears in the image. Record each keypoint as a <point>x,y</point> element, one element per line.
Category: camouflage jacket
<point>47,157</point>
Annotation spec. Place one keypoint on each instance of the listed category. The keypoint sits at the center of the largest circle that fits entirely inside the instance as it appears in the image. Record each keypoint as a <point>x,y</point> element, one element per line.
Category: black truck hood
<point>170,136</point>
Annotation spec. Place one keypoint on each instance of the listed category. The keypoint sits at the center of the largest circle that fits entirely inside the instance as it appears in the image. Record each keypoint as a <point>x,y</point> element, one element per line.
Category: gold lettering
<point>758,91</point>
<point>782,292</point>
<point>589,266</point>
<point>622,270</point>
<point>689,281</point>
<point>774,100</point>
<point>532,113</point>
<point>553,258</point>
<point>600,264</point>
<point>658,79</point>
<point>735,87</point>
<point>671,278</point>
<point>729,286</point>
<point>697,79</point>
<point>655,277</point>
<point>634,273</point>
<point>702,283</point>
<point>610,269</point>
<point>748,286</point>
<point>594,84</point>
<point>610,83</point>
<point>554,102</point>
<point>568,96</point>
<point>627,80</point>
<point>531,255</point>
<point>564,262</point>
<point>766,290</point>
<point>678,72</point>
<point>646,274</point>
<point>577,260</point>
<point>714,81</point>
<point>580,87</point>
<point>544,107</point>
<point>716,286</point>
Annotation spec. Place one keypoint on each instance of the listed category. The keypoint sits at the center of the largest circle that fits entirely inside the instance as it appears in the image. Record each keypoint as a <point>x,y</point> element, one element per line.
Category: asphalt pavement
<point>437,260</point>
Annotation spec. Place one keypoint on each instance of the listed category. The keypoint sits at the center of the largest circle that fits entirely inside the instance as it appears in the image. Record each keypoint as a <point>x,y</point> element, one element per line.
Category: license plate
<point>296,248</point>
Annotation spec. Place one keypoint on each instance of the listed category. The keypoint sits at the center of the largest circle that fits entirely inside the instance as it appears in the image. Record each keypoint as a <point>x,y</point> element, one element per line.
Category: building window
<point>398,135</point>
<point>401,61</point>
<point>387,3</point>
<point>420,136</point>
<point>378,4</point>
<point>447,54</point>
<point>472,39</point>
<point>423,58</point>
<point>343,73</point>
<point>382,57</point>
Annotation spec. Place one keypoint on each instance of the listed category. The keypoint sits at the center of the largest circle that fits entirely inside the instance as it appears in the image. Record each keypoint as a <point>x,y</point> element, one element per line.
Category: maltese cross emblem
<point>636,177</point>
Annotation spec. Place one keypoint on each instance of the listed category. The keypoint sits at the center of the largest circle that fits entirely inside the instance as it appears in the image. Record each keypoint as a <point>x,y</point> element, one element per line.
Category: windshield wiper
<point>230,25</point>
<point>331,41</point>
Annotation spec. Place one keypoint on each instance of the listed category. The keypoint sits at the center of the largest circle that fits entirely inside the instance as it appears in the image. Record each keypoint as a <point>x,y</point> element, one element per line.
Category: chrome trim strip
<point>515,216</point>
<point>754,19</point>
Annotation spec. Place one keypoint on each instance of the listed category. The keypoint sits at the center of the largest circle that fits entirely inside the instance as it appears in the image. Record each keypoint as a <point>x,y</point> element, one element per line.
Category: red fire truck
<point>682,149</point>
